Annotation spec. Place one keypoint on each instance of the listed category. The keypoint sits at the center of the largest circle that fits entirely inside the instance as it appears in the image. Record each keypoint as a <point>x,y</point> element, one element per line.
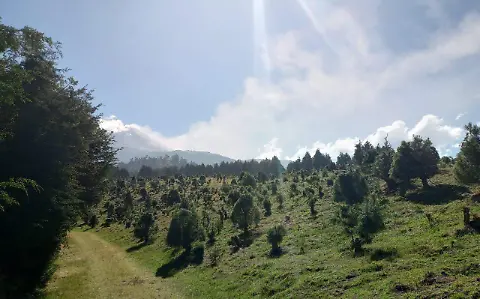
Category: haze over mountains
<point>127,152</point>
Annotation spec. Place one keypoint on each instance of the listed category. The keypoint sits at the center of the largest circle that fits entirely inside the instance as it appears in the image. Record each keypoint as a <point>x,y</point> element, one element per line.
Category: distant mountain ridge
<point>198,157</point>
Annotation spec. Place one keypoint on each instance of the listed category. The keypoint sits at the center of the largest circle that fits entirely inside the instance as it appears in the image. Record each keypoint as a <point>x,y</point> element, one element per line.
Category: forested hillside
<point>54,157</point>
<point>148,167</point>
<point>386,222</point>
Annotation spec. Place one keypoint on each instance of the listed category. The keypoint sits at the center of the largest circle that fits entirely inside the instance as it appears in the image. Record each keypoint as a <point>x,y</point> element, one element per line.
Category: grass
<point>414,256</point>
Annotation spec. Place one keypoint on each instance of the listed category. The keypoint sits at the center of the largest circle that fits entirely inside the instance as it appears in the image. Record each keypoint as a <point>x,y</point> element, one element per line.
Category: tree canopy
<point>54,157</point>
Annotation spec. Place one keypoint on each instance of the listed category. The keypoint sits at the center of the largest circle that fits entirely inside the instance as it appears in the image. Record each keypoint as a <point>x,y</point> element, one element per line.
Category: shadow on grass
<point>191,257</point>
<point>242,240</point>
<point>384,254</point>
<point>436,195</point>
<point>276,253</point>
<point>137,247</point>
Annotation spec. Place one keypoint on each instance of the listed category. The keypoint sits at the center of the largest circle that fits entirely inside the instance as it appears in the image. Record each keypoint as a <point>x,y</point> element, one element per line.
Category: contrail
<point>262,55</point>
<point>316,24</point>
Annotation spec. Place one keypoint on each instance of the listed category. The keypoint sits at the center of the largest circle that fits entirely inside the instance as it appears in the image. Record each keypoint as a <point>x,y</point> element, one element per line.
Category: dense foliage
<point>467,167</point>
<point>54,157</point>
<point>167,166</point>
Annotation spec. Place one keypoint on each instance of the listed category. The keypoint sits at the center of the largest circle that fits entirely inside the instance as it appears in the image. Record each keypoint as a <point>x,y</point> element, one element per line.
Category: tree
<point>173,197</point>
<point>184,230</point>
<point>307,162</point>
<point>49,133</point>
<point>350,187</point>
<point>145,172</point>
<point>361,221</point>
<point>267,205</point>
<point>467,164</point>
<point>244,212</point>
<point>248,180</point>
<point>144,227</point>
<point>415,159</point>
<point>383,164</point>
<point>343,161</point>
<point>275,237</point>
<point>321,161</point>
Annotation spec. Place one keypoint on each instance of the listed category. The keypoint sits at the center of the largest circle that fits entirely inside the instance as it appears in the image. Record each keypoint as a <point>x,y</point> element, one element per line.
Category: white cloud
<point>270,150</point>
<point>343,86</point>
<point>443,137</point>
<point>460,115</point>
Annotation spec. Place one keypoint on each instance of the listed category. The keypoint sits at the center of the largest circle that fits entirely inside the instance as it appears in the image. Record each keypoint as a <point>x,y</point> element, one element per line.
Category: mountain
<point>197,157</point>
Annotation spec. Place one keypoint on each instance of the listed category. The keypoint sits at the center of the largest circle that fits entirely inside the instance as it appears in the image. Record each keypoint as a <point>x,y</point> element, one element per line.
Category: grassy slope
<point>89,267</point>
<point>327,268</point>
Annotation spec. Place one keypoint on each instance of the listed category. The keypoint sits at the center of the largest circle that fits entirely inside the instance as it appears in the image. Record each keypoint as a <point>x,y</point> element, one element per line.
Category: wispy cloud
<point>341,79</point>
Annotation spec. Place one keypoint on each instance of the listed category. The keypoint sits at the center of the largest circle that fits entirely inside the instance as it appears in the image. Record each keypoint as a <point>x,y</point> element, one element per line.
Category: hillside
<point>423,251</point>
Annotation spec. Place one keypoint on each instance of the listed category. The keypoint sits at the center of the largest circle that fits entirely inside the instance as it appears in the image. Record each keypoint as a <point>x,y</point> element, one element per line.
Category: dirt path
<point>90,267</point>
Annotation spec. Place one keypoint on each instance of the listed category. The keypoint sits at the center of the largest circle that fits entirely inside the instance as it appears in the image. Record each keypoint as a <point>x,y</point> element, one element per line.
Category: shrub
<point>267,205</point>
<point>248,180</point>
<point>144,228</point>
<point>311,204</point>
<point>274,188</point>
<point>275,237</point>
<point>214,256</point>
<point>173,197</point>
<point>184,229</point>
<point>93,221</point>
<point>244,212</point>
<point>350,188</point>
<point>233,196</point>
<point>361,221</point>
<point>280,200</point>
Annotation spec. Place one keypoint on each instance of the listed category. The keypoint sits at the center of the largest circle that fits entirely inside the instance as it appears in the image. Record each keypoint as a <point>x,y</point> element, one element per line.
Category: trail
<point>90,267</point>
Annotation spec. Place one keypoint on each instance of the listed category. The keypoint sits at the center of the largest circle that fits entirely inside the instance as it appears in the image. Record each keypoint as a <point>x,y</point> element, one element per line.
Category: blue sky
<point>256,78</point>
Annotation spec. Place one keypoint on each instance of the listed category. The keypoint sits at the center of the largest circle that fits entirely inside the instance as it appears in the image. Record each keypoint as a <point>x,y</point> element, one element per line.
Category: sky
<point>257,78</point>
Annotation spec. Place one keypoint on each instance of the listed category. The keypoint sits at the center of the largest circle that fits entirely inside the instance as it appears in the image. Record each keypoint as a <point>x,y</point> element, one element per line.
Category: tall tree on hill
<point>307,162</point>
<point>321,161</point>
<point>53,138</point>
<point>383,164</point>
<point>467,164</point>
<point>343,161</point>
<point>415,159</point>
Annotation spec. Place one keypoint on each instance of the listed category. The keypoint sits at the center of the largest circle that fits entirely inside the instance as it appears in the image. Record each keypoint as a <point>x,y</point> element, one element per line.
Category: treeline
<point>417,158</point>
<point>135,164</point>
<point>270,167</point>
<point>54,157</point>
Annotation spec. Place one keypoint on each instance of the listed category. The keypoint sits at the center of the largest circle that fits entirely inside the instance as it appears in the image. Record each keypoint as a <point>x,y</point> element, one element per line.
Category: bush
<point>267,205</point>
<point>184,229</point>
<point>248,180</point>
<point>275,237</point>
<point>361,221</point>
<point>233,196</point>
<point>196,254</point>
<point>173,197</point>
<point>214,256</point>
<point>93,221</point>
<point>274,188</point>
<point>144,228</point>
<point>280,200</point>
<point>350,188</point>
<point>311,203</point>
<point>244,212</point>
